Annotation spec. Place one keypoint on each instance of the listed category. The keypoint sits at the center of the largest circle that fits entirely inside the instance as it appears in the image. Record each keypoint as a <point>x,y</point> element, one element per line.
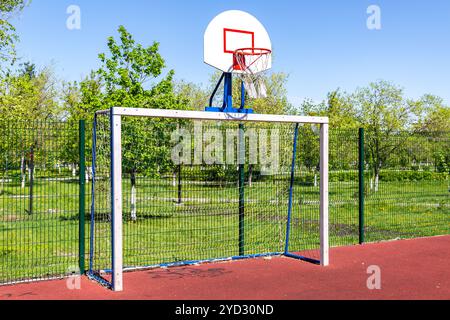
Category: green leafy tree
<point>435,124</point>
<point>339,109</point>
<point>28,99</point>
<point>435,115</point>
<point>276,101</point>
<point>30,94</point>
<point>8,35</point>
<point>196,97</point>
<point>385,113</point>
<point>131,75</point>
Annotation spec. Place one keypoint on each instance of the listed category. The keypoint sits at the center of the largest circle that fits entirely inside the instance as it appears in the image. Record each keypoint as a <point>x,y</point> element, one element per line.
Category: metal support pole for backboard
<point>116,200</point>
<point>241,162</point>
<point>324,245</point>
<point>228,92</point>
<point>242,96</point>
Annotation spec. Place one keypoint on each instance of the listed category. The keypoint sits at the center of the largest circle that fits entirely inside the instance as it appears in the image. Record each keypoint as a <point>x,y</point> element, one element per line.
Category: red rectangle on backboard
<point>236,39</point>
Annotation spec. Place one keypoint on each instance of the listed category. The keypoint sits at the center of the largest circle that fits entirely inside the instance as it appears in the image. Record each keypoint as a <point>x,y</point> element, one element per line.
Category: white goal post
<point>116,115</point>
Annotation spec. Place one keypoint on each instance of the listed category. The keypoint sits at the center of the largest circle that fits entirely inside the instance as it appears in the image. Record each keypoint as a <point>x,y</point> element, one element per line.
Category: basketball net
<point>252,62</point>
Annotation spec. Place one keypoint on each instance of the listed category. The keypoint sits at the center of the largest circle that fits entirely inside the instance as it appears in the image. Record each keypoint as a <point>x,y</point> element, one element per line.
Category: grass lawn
<point>206,224</point>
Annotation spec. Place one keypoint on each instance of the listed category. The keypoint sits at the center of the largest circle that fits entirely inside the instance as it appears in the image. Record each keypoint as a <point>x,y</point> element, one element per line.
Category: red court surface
<point>410,269</point>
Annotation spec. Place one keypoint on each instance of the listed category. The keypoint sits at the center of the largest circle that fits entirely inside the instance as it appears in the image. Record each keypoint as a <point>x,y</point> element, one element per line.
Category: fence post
<point>82,193</point>
<point>361,185</point>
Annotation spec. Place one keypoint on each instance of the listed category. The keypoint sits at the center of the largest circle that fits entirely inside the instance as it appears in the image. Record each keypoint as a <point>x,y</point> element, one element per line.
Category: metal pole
<point>361,186</point>
<point>227,92</point>
<point>116,200</point>
<point>82,194</point>
<point>324,236</point>
<point>242,96</point>
<point>92,213</point>
<point>241,161</point>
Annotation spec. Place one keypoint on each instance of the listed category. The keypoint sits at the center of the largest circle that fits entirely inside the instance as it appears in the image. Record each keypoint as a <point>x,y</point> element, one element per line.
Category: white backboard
<point>231,30</point>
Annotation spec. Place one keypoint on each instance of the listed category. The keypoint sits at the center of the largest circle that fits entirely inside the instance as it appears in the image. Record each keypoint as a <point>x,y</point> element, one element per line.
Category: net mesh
<point>251,64</point>
<point>181,194</point>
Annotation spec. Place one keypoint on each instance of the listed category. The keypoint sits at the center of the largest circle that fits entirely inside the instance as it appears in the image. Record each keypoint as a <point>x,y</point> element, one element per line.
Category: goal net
<point>182,187</point>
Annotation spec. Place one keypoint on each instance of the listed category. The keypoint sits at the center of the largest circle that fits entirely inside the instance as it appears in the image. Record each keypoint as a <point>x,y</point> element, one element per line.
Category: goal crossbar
<point>223,116</point>
<point>115,115</point>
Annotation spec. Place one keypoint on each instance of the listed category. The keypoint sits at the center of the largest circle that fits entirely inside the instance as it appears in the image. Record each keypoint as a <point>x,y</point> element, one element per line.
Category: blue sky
<point>322,45</point>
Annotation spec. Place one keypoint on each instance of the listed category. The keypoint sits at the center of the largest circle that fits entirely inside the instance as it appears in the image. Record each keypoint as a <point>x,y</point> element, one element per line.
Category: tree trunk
<point>31,168</point>
<point>4,177</point>
<point>315,179</point>
<point>174,179</point>
<point>74,170</point>
<point>180,195</point>
<point>133,195</point>
<point>250,175</point>
<point>22,171</point>
<point>377,177</point>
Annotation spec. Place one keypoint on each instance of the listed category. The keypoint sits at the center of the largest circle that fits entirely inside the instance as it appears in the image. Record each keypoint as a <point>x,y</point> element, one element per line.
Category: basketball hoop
<point>250,63</point>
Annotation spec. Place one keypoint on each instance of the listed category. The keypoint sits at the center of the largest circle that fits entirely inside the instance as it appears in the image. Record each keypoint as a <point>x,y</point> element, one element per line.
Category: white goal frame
<point>116,114</point>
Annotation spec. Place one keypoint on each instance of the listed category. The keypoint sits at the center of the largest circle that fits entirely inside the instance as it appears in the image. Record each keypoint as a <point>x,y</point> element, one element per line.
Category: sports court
<point>242,196</point>
<point>403,276</point>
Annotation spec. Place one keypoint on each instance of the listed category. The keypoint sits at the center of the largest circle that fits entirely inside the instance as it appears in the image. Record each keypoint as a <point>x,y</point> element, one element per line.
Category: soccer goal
<point>174,187</point>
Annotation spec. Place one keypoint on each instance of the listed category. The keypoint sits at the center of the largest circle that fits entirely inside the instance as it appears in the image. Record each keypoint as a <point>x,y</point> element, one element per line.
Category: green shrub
<point>395,175</point>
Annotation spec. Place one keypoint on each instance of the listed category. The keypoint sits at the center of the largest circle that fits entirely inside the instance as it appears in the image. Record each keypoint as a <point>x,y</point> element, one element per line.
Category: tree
<point>30,94</point>
<point>29,98</point>
<point>276,101</point>
<point>435,117</point>
<point>338,107</point>
<point>382,110</point>
<point>8,35</point>
<point>128,77</point>
<point>196,97</point>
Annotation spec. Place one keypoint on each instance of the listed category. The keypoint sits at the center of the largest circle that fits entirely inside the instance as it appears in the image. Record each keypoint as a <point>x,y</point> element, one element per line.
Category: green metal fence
<point>343,187</point>
<point>406,187</point>
<point>400,190</point>
<point>39,200</point>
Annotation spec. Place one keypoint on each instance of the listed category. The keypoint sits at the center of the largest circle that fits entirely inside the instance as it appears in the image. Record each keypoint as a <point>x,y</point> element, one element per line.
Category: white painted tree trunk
<point>315,179</point>
<point>133,203</point>
<point>376,181</point>
<point>174,179</point>
<point>22,171</point>
<point>74,171</point>
<point>371,184</point>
